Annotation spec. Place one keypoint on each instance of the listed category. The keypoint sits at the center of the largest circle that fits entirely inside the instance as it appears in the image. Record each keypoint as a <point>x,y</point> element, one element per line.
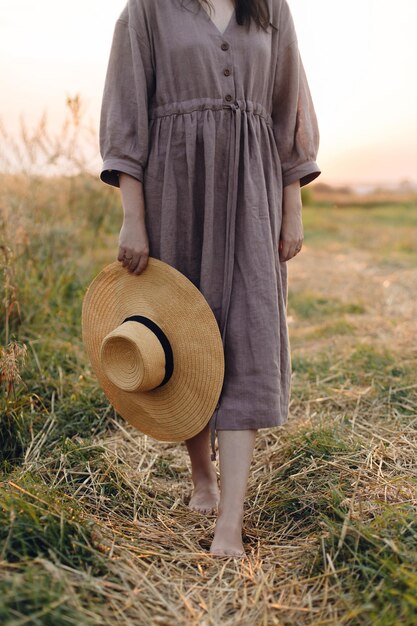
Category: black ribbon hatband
<point>169,357</point>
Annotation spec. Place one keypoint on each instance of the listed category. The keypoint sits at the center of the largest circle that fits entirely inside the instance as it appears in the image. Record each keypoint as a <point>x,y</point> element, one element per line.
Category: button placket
<point>227,71</point>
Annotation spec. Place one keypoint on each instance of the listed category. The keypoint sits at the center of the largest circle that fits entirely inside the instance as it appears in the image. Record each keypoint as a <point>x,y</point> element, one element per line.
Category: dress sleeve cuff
<point>111,167</point>
<point>305,173</point>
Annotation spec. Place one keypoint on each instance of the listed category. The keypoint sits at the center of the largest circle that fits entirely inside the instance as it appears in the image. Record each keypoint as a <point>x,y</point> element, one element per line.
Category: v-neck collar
<point>229,24</point>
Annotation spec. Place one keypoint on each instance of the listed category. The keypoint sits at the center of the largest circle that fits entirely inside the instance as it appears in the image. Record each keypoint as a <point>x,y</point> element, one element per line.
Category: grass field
<point>94,527</point>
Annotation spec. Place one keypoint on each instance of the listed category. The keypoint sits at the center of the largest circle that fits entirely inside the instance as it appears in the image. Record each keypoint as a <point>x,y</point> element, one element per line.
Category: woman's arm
<point>292,232</point>
<point>133,238</point>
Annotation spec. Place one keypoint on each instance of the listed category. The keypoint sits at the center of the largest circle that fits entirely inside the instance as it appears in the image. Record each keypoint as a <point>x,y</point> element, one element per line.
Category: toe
<point>205,510</point>
<point>228,554</point>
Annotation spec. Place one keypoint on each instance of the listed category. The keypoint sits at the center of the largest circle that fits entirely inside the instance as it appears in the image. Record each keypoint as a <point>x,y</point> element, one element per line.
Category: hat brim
<point>183,406</point>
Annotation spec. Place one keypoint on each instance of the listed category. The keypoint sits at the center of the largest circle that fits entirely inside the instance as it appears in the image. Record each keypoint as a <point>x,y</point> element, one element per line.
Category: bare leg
<point>235,456</point>
<point>206,492</point>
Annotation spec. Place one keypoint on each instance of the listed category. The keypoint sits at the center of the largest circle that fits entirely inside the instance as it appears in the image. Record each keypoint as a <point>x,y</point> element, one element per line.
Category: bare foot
<point>228,537</point>
<point>206,493</point>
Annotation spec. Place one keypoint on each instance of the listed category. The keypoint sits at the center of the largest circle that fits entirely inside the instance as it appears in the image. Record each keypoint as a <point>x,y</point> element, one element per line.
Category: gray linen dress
<point>214,125</point>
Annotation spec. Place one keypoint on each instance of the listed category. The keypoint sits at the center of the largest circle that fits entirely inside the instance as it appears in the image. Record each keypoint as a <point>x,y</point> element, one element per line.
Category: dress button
<point>226,72</point>
<point>224,46</point>
<point>228,97</point>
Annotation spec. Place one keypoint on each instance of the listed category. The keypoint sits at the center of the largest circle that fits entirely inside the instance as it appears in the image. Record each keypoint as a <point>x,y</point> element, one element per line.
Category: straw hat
<point>155,346</point>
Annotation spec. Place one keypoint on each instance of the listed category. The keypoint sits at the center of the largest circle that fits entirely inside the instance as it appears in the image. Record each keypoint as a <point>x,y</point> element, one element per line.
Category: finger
<point>289,253</point>
<point>298,247</point>
<point>122,252</point>
<point>142,264</point>
<point>129,259</point>
<point>293,250</point>
<point>134,262</point>
<point>139,266</point>
<point>285,250</point>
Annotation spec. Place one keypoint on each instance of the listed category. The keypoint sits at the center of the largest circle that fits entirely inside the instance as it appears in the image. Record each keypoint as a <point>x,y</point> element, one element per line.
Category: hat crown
<point>133,358</point>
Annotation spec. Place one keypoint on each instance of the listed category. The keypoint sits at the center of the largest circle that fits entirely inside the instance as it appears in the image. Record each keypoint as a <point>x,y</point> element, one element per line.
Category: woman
<point>208,127</point>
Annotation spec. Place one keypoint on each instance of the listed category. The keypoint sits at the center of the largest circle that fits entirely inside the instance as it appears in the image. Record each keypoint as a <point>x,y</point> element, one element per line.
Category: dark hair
<point>247,10</point>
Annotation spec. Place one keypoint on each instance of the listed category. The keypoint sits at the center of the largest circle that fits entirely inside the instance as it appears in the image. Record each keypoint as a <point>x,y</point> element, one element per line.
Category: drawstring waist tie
<point>230,242</point>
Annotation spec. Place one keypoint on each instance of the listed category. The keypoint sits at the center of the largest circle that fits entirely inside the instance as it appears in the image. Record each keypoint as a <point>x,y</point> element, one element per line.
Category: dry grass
<point>321,481</point>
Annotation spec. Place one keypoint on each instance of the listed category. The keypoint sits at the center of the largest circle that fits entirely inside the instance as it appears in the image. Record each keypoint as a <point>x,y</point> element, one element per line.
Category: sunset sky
<point>360,57</point>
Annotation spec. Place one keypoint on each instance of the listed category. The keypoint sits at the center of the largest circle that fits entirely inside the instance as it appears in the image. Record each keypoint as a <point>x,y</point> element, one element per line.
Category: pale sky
<point>360,57</point>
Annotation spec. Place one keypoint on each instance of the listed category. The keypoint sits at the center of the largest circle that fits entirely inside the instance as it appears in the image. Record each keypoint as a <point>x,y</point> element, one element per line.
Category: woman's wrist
<point>291,198</point>
<point>133,212</point>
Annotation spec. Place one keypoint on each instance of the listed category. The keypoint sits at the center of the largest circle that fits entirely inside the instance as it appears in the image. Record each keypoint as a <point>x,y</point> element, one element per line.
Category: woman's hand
<point>133,239</point>
<point>133,246</point>
<point>292,233</point>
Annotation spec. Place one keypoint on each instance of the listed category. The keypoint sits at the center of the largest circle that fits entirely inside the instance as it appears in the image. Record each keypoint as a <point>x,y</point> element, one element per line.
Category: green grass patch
<point>385,231</point>
<point>388,381</point>
<point>38,522</point>
<point>363,366</point>
<point>36,597</point>
<point>381,558</point>
<point>82,410</point>
<point>332,329</point>
<point>308,305</point>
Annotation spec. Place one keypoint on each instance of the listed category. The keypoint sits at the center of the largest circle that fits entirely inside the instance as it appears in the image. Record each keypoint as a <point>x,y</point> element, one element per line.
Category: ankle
<point>230,516</point>
<point>204,474</point>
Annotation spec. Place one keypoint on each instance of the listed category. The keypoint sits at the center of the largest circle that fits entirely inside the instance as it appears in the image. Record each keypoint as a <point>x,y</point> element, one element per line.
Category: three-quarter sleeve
<point>128,87</point>
<point>294,119</point>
